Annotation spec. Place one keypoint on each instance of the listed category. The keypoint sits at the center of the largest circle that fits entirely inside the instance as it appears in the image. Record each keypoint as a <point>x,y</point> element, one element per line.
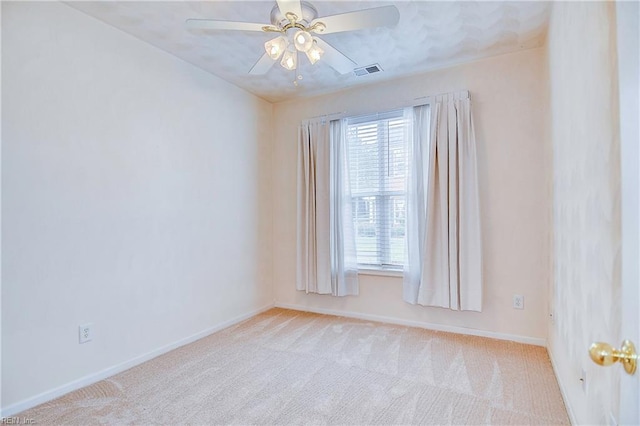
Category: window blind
<point>378,164</point>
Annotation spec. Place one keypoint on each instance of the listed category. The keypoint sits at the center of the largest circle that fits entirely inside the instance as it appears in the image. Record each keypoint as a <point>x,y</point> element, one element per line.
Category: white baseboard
<point>410,323</point>
<point>101,375</point>
<point>563,390</point>
<point>108,372</point>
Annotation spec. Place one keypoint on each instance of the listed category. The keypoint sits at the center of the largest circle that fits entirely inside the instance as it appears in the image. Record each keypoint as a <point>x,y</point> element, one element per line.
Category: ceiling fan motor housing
<point>309,13</point>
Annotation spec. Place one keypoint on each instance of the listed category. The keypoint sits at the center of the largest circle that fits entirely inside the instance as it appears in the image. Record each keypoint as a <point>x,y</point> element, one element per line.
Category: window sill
<point>380,272</point>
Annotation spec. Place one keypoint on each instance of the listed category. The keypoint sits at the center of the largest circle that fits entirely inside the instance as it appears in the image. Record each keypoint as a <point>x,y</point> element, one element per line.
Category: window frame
<point>383,198</point>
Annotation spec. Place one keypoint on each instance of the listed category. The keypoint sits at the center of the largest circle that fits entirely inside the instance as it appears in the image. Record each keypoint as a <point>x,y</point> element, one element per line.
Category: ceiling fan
<point>298,26</point>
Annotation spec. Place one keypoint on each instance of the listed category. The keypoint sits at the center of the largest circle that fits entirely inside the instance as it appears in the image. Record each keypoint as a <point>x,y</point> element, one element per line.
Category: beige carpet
<point>286,367</point>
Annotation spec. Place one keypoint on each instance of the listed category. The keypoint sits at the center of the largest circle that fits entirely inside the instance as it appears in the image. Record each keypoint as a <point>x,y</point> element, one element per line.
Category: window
<point>378,161</point>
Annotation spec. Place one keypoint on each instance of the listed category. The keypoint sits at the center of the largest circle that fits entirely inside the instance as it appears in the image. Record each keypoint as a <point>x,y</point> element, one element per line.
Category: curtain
<point>444,252</point>
<point>326,253</point>
<point>418,149</point>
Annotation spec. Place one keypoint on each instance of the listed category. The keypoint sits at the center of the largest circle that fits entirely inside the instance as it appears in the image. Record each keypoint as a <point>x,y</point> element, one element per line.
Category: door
<point>628,34</point>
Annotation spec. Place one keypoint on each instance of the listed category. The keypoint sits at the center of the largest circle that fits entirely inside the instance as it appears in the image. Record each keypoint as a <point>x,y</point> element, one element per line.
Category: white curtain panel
<point>344,259</point>
<point>418,148</point>
<point>326,255</point>
<point>444,252</point>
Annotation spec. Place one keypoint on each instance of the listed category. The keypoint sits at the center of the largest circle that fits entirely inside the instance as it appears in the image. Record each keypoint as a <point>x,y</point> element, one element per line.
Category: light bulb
<point>314,53</point>
<point>289,60</point>
<point>302,40</point>
<point>275,47</point>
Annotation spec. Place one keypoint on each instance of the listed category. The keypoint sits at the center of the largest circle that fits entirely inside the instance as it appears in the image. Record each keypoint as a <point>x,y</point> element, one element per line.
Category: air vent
<point>369,69</point>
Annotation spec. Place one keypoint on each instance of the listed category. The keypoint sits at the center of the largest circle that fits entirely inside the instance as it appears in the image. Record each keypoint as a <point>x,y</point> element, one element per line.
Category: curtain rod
<point>461,93</point>
<point>414,102</point>
<point>327,115</point>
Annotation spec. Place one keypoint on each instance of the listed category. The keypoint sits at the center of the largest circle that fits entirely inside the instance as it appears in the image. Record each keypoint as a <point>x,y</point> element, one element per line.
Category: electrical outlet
<point>85,333</point>
<point>552,317</point>
<point>518,301</point>
<point>583,380</point>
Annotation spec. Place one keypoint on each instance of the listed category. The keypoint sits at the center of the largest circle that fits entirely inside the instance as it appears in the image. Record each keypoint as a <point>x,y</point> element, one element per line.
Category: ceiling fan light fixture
<point>314,53</point>
<point>303,41</point>
<point>275,47</point>
<point>289,60</point>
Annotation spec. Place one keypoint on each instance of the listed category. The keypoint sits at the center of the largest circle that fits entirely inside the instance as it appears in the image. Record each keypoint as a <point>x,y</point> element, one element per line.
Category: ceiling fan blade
<point>385,16</point>
<point>212,24</point>
<point>263,65</point>
<point>334,58</point>
<point>292,6</point>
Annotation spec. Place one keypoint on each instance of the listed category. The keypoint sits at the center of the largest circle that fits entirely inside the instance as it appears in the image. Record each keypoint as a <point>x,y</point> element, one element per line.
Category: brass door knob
<point>605,354</point>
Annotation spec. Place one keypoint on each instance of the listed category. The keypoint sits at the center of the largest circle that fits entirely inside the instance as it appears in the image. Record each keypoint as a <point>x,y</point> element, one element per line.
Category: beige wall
<point>132,198</point>
<point>586,186</point>
<point>509,95</point>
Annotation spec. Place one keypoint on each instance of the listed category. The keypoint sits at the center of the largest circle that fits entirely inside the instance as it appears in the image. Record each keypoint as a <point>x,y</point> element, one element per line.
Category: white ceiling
<point>429,35</point>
